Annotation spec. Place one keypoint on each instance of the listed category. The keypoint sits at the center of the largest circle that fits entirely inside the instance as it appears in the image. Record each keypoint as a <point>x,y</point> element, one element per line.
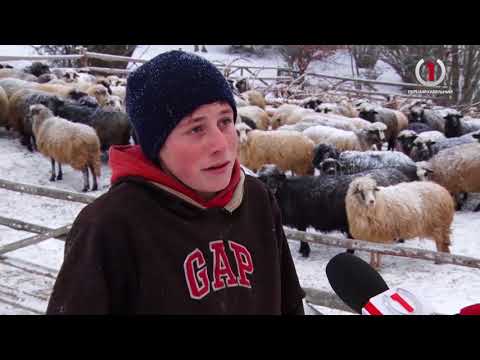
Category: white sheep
<point>254,98</point>
<point>402,211</point>
<point>289,150</point>
<point>119,91</point>
<point>342,140</point>
<point>66,143</point>
<point>255,114</point>
<point>342,108</point>
<point>337,121</point>
<point>289,114</point>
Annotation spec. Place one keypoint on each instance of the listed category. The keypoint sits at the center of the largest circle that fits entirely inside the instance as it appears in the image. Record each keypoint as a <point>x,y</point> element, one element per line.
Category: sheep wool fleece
<point>145,249</point>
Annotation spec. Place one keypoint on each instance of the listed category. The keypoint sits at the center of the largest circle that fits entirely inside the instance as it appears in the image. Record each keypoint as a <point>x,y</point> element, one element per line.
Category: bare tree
<point>366,56</point>
<point>299,57</point>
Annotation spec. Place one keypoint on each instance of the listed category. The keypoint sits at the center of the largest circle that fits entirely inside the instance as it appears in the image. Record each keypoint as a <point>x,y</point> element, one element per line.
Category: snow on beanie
<point>166,89</point>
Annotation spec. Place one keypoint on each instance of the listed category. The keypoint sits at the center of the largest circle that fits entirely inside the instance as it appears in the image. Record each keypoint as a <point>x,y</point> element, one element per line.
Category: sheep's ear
<point>377,188</point>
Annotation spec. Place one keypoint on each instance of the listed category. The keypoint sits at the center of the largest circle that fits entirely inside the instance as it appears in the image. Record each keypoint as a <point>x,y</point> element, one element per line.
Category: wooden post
<point>84,60</point>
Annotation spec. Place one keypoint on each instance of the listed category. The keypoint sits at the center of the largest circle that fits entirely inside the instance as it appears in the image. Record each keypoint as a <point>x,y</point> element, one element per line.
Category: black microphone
<point>353,280</point>
<point>363,289</point>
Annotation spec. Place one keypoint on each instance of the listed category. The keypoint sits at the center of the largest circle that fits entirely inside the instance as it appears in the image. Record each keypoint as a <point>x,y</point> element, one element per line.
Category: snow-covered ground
<point>447,287</point>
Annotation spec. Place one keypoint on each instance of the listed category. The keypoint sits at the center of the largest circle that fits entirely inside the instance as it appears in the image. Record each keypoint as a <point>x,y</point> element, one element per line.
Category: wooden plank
<point>34,239</point>
<point>393,250</point>
<point>5,298</point>
<point>29,267</point>
<point>28,227</point>
<point>47,192</point>
<point>326,299</point>
<point>40,57</point>
<point>107,57</point>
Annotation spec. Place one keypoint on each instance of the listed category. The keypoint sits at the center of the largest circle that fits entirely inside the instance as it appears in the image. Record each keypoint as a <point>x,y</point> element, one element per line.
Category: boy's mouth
<point>218,166</point>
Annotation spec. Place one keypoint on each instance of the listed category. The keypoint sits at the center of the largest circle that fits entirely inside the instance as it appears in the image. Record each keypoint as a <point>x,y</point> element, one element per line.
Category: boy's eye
<point>196,129</point>
<point>226,121</point>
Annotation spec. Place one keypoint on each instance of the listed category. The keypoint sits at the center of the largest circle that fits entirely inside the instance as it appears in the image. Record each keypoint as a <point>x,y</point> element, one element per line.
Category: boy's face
<point>202,149</point>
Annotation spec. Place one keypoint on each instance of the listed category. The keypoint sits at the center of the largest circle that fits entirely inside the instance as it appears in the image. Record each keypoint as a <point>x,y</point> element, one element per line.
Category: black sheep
<point>112,126</point>
<point>455,126</point>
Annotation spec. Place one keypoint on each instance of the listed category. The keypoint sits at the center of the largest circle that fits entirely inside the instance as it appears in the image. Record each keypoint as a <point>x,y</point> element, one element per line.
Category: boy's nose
<point>217,140</point>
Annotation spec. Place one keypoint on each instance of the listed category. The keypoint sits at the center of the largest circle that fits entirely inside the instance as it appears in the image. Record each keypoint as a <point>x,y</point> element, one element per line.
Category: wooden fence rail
<point>48,192</point>
<point>393,250</point>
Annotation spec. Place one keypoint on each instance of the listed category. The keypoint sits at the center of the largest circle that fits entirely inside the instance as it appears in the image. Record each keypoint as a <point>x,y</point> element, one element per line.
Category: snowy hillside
<point>447,287</point>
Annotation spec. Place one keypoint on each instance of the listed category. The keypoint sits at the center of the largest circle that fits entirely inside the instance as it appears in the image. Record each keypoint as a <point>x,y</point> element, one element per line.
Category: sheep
<point>455,126</point>
<point>240,102</point>
<point>100,92</point>
<point>422,144</point>
<point>419,127</point>
<point>114,81</point>
<point>361,140</point>
<point>456,168</point>
<point>112,126</point>
<point>115,103</point>
<point>46,78</point>
<point>254,98</point>
<point>12,85</point>
<point>299,127</point>
<point>245,121</point>
<point>317,201</point>
<point>255,114</point>
<point>119,91</point>
<point>37,68</point>
<point>67,143</point>
<point>430,117</point>
<point>68,75</point>
<point>19,105</point>
<point>3,108</point>
<point>311,103</point>
<point>288,150</point>
<point>342,108</point>
<point>337,121</point>
<point>350,162</point>
<point>405,141</point>
<point>66,91</point>
<point>401,211</point>
<point>289,114</point>
<point>17,74</point>
<point>395,121</point>
<point>451,142</point>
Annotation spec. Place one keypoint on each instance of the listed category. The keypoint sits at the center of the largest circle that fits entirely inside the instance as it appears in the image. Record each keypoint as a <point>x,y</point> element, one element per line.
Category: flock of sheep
<point>69,117</point>
<point>382,173</point>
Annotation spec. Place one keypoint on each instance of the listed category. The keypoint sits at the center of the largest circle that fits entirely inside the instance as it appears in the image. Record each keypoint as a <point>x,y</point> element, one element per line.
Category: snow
<point>447,287</point>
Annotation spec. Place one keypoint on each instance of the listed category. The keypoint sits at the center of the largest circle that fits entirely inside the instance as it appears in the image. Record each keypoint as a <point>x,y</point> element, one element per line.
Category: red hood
<point>128,160</point>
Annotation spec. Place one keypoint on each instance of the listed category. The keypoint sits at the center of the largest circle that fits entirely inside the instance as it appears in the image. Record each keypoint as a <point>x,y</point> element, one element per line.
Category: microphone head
<point>354,280</point>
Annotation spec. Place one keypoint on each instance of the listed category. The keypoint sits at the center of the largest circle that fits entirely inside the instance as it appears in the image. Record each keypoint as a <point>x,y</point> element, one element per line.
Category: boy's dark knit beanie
<point>167,88</point>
